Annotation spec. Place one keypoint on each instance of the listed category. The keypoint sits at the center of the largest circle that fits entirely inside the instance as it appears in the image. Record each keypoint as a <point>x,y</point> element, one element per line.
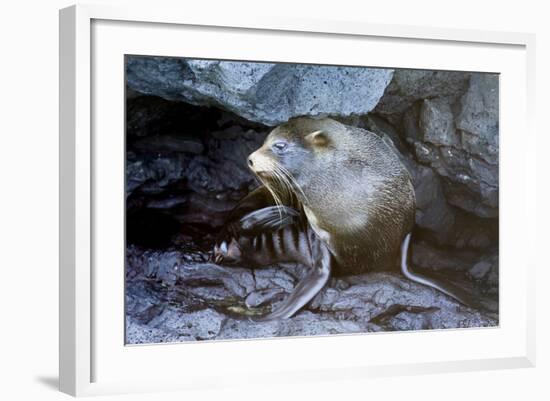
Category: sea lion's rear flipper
<point>446,287</point>
<point>308,287</point>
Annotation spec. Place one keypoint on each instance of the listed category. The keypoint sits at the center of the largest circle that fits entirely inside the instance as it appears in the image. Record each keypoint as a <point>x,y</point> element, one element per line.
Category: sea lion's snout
<point>259,163</point>
<point>253,160</point>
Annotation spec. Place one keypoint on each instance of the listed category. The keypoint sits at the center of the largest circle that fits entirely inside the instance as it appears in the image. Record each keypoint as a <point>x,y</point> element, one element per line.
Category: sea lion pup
<point>345,193</point>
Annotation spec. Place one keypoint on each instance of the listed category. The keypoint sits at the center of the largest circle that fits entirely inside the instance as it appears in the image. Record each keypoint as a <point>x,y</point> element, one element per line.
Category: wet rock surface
<point>186,169</point>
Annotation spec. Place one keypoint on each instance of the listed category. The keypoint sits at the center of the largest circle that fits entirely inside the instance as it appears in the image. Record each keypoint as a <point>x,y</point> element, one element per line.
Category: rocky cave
<point>190,124</point>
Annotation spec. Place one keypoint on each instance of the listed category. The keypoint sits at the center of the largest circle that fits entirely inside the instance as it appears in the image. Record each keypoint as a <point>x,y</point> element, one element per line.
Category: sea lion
<point>341,190</point>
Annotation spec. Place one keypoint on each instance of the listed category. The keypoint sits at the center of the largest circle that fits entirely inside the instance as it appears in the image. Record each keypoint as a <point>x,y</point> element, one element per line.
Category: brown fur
<point>357,195</point>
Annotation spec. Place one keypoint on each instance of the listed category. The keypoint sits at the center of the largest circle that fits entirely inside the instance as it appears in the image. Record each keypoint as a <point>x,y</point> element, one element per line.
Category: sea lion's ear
<point>317,138</point>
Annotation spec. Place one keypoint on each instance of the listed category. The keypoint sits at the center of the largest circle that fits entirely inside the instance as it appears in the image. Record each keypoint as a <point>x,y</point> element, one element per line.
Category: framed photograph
<point>290,199</point>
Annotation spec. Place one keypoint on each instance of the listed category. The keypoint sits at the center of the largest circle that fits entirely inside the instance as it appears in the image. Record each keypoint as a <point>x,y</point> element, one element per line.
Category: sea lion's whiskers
<point>282,185</point>
<point>273,191</point>
<point>283,180</point>
<point>258,180</point>
<point>293,182</point>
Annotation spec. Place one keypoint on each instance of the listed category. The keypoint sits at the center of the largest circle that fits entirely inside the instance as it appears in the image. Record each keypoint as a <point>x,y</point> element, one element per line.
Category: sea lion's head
<point>293,152</point>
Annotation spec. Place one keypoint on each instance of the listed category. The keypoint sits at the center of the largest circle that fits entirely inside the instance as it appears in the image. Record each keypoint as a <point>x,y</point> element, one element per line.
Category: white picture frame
<point>93,357</point>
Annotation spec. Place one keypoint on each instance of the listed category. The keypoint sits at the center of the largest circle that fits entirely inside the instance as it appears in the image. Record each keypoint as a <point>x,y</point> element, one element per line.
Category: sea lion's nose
<point>250,162</point>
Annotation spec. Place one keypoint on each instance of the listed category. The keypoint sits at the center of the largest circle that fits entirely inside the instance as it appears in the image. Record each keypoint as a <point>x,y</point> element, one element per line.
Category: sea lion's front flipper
<point>258,199</point>
<point>270,218</point>
<point>245,212</point>
<point>308,287</point>
<point>259,222</point>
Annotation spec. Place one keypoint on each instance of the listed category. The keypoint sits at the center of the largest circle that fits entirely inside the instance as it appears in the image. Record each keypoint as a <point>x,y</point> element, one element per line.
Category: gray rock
<point>221,168</point>
<point>189,163</point>
<point>478,118</point>
<point>409,86</point>
<point>429,257</point>
<point>432,210</point>
<point>158,314</point>
<point>195,179</point>
<point>451,119</point>
<point>480,269</point>
<point>261,92</point>
<point>147,115</point>
<point>437,122</point>
<point>170,143</point>
<point>410,121</point>
<point>458,138</point>
<point>486,272</point>
<point>162,265</point>
<point>260,297</point>
<point>208,302</point>
<point>159,170</point>
<point>470,184</point>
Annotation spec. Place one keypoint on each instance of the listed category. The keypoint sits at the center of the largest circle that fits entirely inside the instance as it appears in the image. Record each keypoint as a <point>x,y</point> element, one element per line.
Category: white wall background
<point>29,185</point>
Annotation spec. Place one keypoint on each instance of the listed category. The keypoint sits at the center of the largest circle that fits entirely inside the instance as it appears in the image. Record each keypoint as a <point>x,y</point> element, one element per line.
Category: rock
<point>455,134</point>
<point>191,146</point>
<point>159,314</point>
<point>486,272</point>
<point>429,257</point>
<point>491,279</point>
<point>480,269</point>
<point>171,266</point>
<point>410,122</point>
<point>157,170</point>
<point>409,86</point>
<point>437,123</point>
<point>147,115</point>
<point>185,164</point>
<point>261,92</point>
<point>432,210</point>
<point>170,143</point>
<point>186,169</point>
<point>474,233</point>
<point>152,116</point>
<point>207,302</point>
<point>478,118</point>
<point>190,179</point>
<point>257,298</point>
<point>470,184</point>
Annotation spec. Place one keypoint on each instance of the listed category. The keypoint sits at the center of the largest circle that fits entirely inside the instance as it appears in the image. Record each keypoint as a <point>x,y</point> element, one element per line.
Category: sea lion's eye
<point>280,146</point>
